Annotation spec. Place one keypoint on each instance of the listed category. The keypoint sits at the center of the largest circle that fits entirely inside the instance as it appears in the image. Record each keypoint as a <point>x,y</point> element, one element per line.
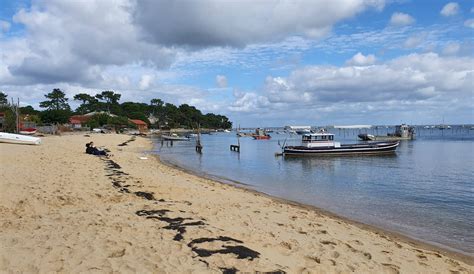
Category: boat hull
<point>171,138</point>
<point>18,139</point>
<point>265,137</point>
<point>355,149</point>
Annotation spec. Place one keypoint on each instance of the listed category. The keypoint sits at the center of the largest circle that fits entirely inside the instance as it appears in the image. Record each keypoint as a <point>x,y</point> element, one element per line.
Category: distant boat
<point>174,137</point>
<point>443,126</point>
<point>402,132</point>
<point>322,144</point>
<point>19,139</point>
<point>261,134</point>
<point>298,129</point>
<point>192,135</point>
<point>366,137</point>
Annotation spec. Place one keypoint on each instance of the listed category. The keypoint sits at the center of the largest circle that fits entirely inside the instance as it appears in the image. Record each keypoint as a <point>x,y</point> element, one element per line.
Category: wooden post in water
<point>236,148</point>
<point>198,141</point>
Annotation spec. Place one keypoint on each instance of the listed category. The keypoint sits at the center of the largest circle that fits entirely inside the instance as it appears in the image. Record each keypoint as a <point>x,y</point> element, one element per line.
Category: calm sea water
<point>425,190</point>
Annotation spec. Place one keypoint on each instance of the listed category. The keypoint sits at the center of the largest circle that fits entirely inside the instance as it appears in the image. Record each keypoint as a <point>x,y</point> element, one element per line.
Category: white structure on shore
<point>353,126</point>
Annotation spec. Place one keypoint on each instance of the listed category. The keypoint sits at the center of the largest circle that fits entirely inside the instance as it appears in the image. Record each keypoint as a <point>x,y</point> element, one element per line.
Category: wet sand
<point>65,211</point>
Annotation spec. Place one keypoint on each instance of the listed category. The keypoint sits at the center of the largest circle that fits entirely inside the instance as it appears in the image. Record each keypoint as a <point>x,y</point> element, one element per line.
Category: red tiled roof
<point>80,118</point>
<point>138,122</point>
<point>74,121</point>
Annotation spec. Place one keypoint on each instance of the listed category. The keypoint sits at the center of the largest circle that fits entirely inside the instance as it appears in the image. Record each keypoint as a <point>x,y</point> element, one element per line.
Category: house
<point>75,124</point>
<point>142,126</point>
<point>77,121</point>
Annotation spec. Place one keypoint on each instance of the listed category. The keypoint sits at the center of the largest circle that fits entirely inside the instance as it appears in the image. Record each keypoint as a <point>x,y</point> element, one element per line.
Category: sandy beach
<point>65,211</point>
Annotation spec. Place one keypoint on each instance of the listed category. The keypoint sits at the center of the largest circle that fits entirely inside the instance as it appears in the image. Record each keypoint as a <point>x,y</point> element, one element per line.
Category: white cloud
<point>401,19</point>
<point>239,23</point>
<point>451,49</point>
<point>146,81</point>
<point>427,80</point>
<point>361,60</point>
<point>414,41</point>
<point>221,81</point>
<point>450,9</point>
<point>4,26</point>
<point>469,23</point>
<point>70,41</point>
<point>249,102</point>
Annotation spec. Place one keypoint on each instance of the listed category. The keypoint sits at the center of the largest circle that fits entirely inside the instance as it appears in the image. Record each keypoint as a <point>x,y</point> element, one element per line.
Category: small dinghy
<point>28,131</point>
<point>19,139</point>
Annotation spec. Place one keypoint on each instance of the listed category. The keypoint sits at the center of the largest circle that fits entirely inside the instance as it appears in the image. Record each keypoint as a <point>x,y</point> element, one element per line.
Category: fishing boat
<point>322,143</point>
<point>18,139</point>
<point>174,137</point>
<point>261,134</point>
<point>402,132</point>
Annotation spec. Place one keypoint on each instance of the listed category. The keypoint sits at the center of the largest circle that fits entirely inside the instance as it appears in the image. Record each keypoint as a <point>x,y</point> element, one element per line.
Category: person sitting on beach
<point>91,149</point>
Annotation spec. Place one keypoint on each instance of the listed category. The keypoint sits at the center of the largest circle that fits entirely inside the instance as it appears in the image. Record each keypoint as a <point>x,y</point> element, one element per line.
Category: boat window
<point>323,137</point>
<point>331,137</point>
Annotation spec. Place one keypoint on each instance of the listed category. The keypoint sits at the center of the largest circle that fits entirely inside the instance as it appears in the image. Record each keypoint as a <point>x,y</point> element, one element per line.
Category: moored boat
<point>402,132</point>
<point>261,134</point>
<point>19,139</point>
<point>322,143</point>
<point>174,137</point>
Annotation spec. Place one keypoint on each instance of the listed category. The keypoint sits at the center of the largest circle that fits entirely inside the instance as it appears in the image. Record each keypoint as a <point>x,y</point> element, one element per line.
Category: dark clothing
<point>95,151</point>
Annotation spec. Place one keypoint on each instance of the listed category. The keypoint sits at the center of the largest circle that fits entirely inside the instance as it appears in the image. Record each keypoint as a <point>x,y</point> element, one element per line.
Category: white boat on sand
<point>19,139</point>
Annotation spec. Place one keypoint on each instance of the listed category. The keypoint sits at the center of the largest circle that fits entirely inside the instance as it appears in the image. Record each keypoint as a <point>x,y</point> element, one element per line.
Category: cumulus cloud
<point>469,23</point>
<point>401,19</point>
<point>73,41</point>
<point>221,81</point>
<point>4,26</point>
<point>427,78</point>
<point>249,102</point>
<point>414,41</point>
<point>450,9</point>
<point>451,49</point>
<point>146,81</point>
<point>239,23</point>
<point>361,60</point>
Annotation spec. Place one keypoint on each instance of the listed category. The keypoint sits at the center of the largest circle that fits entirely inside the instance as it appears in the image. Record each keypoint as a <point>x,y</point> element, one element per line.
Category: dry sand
<point>64,211</point>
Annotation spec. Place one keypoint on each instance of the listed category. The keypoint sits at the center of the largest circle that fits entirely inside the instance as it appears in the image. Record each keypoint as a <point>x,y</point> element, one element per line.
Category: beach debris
<point>240,251</point>
<point>145,195</point>
<point>126,142</point>
<point>180,224</point>
<point>230,270</point>
<point>177,223</point>
<point>151,213</point>
<point>143,158</point>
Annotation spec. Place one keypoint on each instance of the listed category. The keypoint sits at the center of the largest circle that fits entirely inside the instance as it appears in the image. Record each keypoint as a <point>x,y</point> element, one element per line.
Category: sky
<point>261,63</point>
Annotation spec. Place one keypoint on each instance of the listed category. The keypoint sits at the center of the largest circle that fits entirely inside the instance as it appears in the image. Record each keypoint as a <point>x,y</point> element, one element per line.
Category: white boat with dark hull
<point>19,139</point>
<point>322,143</point>
<point>174,137</point>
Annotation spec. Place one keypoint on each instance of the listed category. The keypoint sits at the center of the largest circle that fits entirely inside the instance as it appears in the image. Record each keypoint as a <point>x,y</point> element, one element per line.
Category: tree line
<point>157,114</point>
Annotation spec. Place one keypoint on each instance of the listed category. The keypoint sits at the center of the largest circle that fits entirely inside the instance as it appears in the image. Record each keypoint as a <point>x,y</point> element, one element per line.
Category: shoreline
<point>452,252</point>
<point>71,212</point>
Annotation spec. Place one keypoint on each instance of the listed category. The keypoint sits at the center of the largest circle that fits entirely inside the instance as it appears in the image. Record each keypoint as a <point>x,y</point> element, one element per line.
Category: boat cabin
<point>404,131</point>
<point>320,139</point>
